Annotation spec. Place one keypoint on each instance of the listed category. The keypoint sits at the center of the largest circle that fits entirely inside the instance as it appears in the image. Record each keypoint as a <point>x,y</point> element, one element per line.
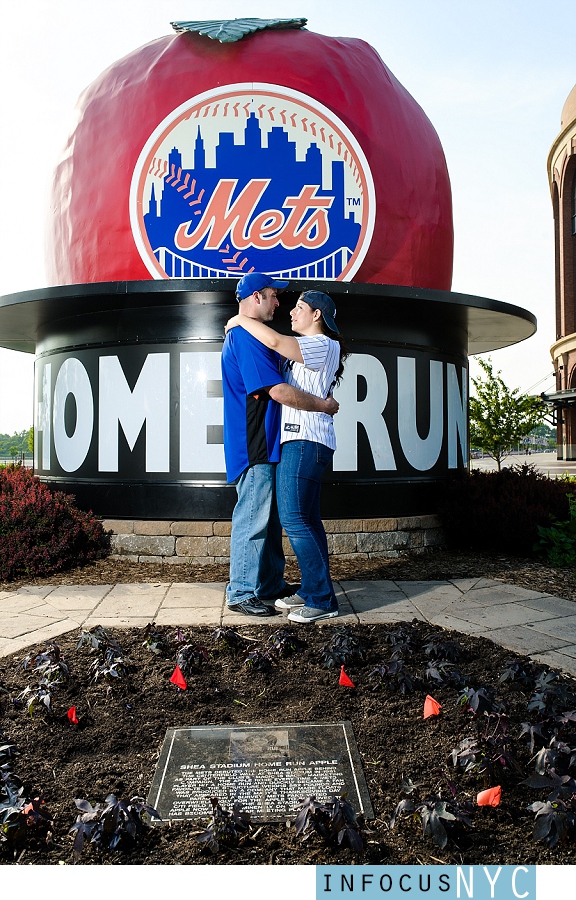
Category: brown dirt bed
<point>116,745</point>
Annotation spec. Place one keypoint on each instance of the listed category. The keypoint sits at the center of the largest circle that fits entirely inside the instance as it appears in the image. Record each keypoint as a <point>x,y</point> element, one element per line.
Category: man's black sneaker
<point>252,607</point>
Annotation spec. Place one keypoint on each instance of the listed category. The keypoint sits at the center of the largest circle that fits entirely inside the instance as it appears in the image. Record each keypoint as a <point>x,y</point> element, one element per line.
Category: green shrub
<point>502,510</point>
<point>42,531</point>
<point>558,542</point>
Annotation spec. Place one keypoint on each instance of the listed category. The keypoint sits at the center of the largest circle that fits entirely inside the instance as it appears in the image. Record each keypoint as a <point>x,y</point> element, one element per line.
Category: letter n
<point>148,403</point>
<point>457,416</point>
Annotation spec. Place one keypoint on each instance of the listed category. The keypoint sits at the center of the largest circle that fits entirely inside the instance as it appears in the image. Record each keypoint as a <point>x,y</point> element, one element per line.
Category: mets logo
<point>252,177</point>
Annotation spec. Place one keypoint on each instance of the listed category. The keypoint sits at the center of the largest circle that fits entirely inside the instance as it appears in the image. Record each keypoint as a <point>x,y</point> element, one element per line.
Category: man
<point>253,390</point>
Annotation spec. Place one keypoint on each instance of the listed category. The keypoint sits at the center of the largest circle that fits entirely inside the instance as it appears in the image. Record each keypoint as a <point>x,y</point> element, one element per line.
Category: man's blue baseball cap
<point>257,281</point>
<point>326,305</point>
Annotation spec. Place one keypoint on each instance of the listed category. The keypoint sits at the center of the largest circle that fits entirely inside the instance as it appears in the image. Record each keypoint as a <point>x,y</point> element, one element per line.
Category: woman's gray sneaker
<point>292,602</point>
<point>309,614</point>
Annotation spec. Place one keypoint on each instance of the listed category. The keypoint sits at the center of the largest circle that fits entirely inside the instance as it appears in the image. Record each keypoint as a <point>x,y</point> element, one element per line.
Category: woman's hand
<point>231,323</point>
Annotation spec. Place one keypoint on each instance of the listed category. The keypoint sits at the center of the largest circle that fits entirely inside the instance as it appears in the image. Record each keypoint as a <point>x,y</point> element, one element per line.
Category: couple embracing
<point>278,440</point>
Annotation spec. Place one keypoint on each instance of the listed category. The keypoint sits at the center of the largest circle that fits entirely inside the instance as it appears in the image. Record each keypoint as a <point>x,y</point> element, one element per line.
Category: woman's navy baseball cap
<point>257,281</point>
<point>318,300</point>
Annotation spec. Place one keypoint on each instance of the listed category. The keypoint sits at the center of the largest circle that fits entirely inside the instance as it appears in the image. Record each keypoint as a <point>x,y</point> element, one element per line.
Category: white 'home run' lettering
<point>71,450</point>
<point>421,453</point>
<point>43,420</point>
<point>198,411</point>
<point>149,402</point>
<point>200,414</point>
<point>367,412</point>
<point>457,418</point>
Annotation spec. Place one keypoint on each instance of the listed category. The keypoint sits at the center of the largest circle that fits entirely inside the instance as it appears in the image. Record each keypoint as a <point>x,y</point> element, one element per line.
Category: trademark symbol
<point>353,201</point>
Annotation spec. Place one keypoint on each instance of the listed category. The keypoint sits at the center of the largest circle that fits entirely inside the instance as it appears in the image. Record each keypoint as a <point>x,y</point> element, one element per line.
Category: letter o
<point>71,451</point>
<point>386,889</point>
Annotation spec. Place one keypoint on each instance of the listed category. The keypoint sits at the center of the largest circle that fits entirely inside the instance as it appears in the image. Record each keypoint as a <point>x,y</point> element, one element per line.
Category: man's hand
<point>297,399</point>
<point>332,405</point>
<point>231,323</point>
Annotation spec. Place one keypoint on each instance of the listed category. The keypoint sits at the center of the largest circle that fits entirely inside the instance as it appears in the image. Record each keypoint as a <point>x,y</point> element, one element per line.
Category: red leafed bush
<point>42,531</point>
<point>502,510</point>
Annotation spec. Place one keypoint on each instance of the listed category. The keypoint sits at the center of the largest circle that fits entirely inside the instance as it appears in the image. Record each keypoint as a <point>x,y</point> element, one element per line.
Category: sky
<point>491,75</point>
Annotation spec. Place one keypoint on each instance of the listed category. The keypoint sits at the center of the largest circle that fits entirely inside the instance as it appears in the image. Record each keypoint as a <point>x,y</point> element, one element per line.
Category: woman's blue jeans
<point>256,555</point>
<point>298,483</point>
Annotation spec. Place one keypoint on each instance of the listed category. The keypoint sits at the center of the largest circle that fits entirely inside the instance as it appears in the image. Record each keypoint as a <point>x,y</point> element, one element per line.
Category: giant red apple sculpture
<point>285,151</point>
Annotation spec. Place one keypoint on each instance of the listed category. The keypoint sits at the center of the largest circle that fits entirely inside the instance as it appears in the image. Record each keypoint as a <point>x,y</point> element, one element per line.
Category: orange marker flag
<point>344,680</point>
<point>178,679</point>
<point>490,797</point>
<point>431,707</point>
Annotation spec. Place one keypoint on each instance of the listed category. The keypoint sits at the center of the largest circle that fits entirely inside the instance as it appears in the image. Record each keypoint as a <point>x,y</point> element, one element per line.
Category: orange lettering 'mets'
<point>268,229</point>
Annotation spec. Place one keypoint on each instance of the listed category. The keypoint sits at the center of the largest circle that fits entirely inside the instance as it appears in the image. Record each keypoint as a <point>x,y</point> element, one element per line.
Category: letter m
<point>148,403</point>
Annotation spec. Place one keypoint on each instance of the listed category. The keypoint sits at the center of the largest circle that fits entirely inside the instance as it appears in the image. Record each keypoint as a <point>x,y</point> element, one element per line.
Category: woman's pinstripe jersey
<point>321,357</point>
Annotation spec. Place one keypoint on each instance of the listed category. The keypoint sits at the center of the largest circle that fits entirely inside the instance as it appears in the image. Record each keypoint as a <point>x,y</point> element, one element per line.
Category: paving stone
<point>489,582</point>
<point>116,622</point>
<point>505,615</point>
<point>15,626</point>
<point>376,588</point>
<point>435,606</point>
<point>570,650</point>
<point>554,606</point>
<point>132,600</point>
<point>465,584</point>
<point>34,591</point>
<point>19,604</point>
<point>229,617</point>
<point>179,616</point>
<point>497,595</point>
<point>5,644</point>
<point>194,595</point>
<point>40,635</point>
<point>127,590</point>
<point>524,640</point>
<point>78,597</point>
<point>396,613</point>
<point>557,660</point>
<point>453,623</point>
<point>563,626</point>
<point>425,591</point>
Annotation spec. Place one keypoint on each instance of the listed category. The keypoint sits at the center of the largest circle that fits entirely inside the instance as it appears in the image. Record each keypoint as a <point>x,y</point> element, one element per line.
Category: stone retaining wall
<point>203,543</point>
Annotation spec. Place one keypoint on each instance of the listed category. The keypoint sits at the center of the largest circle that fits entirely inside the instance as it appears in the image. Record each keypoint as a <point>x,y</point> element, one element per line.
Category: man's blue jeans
<point>298,483</point>
<point>256,556</point>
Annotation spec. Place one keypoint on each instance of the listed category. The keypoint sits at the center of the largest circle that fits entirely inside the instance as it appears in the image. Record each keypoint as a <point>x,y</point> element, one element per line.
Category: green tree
<point>500,417</point>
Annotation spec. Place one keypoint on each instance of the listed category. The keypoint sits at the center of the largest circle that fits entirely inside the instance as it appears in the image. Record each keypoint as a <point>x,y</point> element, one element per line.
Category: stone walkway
<point>528,622</point>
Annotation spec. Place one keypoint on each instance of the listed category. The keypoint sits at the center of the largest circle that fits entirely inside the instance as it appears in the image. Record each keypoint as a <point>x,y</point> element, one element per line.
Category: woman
<point>314,363</point>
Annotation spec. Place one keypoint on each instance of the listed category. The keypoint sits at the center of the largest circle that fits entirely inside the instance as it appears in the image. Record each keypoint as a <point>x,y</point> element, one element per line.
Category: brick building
<point>562,175</point>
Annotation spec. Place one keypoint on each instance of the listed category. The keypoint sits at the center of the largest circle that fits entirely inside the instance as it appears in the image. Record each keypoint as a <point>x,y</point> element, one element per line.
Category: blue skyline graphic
<point>189,193</point>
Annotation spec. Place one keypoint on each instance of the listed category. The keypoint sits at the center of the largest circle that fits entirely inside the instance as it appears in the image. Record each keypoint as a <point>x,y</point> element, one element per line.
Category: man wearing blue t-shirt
<point>254,389</point>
